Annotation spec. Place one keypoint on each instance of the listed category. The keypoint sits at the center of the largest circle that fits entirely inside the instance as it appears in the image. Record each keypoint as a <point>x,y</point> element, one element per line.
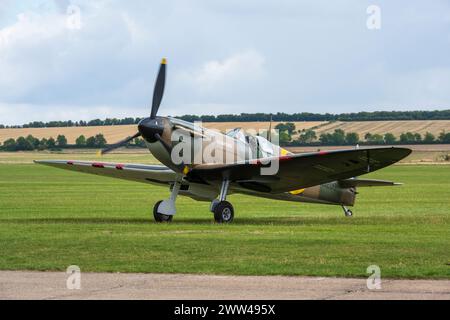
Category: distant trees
<point>307,137</point>
<point>139,142</point>
<point>43,144</point>
<point>100,140</point>
<point>284,137</point>
<point>81,123</point>
<point>51,143</point>
<point>31,143</point>
<point>21,144</point>
<point>9,145</point>
<point>410,138</point>
<point>246,117</point>
<point>335,138</point>
<point>34,142</point>
<point>61,141</point>
<point>285,131</point>
<point>289,127</point>
<point>304,138</point>
<point>429,138</point>
<point>352,138</point>
<point>444,137</point>
<point>389,138</point>
<point>80,141</point>
<point>374,138</point>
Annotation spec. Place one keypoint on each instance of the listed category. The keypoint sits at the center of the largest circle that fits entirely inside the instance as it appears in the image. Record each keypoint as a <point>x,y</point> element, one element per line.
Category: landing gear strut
<point>222,209</point>
<point>164,210</point>
<point>347,212</point>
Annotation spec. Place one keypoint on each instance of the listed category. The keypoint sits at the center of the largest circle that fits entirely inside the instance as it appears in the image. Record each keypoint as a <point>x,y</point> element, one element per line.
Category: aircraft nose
<point>148,128</point>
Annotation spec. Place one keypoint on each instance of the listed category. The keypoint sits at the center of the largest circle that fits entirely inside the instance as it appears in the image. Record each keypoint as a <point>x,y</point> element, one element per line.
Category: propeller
<point>158,91</point>
<point>149,128</point>
<point>119,144</point>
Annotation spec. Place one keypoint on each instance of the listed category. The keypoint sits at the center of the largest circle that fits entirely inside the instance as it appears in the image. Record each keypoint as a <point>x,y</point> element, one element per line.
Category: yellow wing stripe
<point>298,191</point>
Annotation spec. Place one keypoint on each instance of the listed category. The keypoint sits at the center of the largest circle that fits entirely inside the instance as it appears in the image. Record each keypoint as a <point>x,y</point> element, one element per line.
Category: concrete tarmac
<point>53,285</point>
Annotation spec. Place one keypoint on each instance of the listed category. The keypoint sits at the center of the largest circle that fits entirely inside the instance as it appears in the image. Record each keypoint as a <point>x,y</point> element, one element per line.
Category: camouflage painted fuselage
<point>328,193</point>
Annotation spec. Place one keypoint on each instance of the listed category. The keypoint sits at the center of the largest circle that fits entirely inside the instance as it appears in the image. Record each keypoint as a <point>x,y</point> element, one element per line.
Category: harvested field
<point>382,127</point>
<point>116,133</point>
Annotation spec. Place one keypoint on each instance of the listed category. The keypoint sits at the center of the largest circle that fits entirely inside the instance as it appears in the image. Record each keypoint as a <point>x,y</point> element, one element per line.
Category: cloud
<point>234,56</point>
<point>215,81</point>
<point>243,66</point>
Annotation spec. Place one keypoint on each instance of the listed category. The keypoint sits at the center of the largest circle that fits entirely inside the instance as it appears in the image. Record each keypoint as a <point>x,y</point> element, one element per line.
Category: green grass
<point>50,219</point>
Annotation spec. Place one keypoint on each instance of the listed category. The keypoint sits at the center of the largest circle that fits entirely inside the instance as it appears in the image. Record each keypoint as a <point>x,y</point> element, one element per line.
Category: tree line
<point>286,132</point>
<point>252,117</point>
<point>306,116</point>
<point>30,143</point>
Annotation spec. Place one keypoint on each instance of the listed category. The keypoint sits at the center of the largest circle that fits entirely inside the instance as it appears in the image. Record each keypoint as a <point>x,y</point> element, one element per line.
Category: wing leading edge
<point>155,174</point>
<point>306,169</point>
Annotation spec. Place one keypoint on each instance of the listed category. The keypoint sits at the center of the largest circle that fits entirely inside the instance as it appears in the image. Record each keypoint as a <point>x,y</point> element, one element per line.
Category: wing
<point>354,182</point>
<point>155,174</point>
<point>302,170</point>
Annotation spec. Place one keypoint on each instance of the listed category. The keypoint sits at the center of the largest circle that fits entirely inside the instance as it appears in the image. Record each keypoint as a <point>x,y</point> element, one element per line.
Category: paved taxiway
<point>52,285</point>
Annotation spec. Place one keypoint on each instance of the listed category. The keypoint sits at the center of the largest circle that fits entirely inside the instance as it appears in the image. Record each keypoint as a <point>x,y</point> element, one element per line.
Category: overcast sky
<point>227,56</point>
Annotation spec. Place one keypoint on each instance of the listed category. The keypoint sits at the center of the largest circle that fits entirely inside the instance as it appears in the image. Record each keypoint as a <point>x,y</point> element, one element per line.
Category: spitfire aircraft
<point>254,166</point>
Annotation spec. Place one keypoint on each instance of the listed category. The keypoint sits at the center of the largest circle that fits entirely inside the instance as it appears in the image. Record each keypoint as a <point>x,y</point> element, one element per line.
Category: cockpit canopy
<point>259,146</point>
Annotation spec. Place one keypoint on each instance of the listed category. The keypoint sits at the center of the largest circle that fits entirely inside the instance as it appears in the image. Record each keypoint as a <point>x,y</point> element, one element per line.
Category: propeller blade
<point>159,89</point>
<point>119,144</point>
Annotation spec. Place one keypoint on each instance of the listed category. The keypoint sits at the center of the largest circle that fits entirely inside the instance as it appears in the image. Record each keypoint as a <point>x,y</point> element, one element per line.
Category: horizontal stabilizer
<point>353,183</point>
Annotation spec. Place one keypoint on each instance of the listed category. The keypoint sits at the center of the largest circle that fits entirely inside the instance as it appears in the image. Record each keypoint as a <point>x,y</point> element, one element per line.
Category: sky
<point>80,60</point>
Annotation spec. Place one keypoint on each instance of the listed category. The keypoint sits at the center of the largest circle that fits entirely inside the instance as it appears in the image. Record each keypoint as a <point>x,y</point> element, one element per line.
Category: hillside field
<point>116,133</point>
<point>382,127</point>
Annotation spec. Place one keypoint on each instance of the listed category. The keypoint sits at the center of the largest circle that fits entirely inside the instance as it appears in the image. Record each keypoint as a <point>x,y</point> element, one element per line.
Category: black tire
<point>159,217</point>
<point>349,213</point>
<point>223,212</point>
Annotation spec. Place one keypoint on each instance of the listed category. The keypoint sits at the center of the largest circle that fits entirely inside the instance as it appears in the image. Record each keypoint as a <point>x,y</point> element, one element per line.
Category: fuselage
<point>186,145</point>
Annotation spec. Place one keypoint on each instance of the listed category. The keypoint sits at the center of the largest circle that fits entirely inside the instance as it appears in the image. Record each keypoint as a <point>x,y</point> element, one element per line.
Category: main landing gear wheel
<point>160,217</point>
<point>223,212</point>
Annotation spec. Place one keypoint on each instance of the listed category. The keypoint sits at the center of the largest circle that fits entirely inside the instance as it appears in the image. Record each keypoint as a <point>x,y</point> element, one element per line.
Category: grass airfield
<point>50,219</point>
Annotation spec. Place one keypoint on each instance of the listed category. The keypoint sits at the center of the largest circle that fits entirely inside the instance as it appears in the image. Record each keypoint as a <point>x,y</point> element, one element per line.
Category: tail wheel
<point>160,217</point>
<point>223,212</point>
